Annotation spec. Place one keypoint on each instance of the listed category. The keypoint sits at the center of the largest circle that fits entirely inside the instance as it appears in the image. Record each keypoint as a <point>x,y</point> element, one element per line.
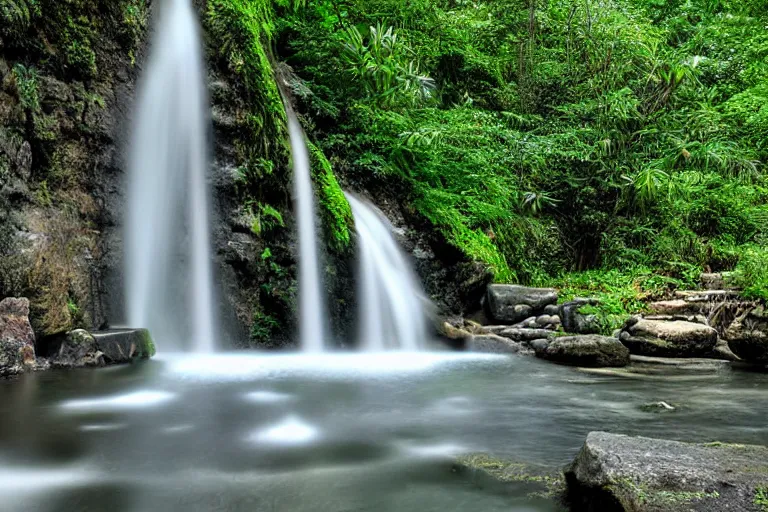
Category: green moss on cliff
<point>337,215</point>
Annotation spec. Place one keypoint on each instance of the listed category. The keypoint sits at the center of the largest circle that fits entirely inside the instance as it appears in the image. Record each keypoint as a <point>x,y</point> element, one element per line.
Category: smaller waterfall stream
<point>390,298</point>
<point>311,306</point>
<point>167,248</point>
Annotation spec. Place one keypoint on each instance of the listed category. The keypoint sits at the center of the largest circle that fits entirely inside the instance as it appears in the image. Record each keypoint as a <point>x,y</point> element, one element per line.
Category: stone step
<point>706,295</point>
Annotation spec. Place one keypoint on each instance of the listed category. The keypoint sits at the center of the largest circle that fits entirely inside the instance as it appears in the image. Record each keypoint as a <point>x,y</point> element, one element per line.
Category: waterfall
<point>391,302</point>
<point>169,283</point>
<point>311,306</point>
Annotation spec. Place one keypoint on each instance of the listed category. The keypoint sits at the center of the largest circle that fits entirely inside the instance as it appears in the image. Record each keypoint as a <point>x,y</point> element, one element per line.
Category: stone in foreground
<point>589,351</point>
<point>511,303</point>
<point>638,474</point>
<point>668,339</point>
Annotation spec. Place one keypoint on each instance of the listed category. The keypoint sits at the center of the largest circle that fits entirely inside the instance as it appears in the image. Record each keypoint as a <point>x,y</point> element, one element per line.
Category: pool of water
<point>373,432</point>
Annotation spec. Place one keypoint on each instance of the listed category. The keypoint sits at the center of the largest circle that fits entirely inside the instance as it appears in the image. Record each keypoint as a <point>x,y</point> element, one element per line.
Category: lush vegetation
<point>626,138</point>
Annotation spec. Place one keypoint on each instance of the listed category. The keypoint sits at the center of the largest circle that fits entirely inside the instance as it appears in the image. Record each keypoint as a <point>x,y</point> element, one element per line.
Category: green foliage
<point>263,327</point>
<point>337,213</point>
<point>751,273</point>
<point>557,136</point>
<point>26,85</point>
<point>761,498</point>
<point>382,64</point>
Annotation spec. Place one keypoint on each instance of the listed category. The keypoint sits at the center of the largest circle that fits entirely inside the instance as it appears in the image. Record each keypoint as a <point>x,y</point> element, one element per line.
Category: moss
<point>337,215</point>
<point>631,495</point>
<point>146,348</point>
<point>761,498</point>
<point>508,471</point>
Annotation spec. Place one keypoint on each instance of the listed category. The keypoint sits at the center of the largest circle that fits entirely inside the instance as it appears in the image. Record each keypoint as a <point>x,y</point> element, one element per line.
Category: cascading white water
<point>169,283</point>
<point>311,305</point>
<point>392,314</point>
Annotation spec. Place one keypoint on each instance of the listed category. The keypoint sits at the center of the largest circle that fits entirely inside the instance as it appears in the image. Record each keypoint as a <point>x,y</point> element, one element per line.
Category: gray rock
<point>78,350</point>
<point>543,320</point>
<point>638,474</point>
<point>712,281</point>
<point>576,322</point>
<point>540,344</point>
<point>551,309</point>
<point>124,345</point>
<point>24,161</point>
<point>668,339</point>
<point>523,334</point>
<point>677,307</point>
<point>509,303</point>
<point>589,350</point>
<point>490,343</point>
<point>747,336</point>
<point>657,407</point>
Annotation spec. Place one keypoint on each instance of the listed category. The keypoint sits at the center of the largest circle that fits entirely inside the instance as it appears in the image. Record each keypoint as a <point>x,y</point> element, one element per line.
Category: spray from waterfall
<point>311,305</point>
<point>391,301</point>
<point>167,247</point>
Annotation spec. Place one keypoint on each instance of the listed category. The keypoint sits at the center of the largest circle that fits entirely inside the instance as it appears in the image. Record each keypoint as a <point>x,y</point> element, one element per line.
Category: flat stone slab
<point>668,339</point>
<point>639,474</point>
<point>123,345</point>
<point>493,344</point>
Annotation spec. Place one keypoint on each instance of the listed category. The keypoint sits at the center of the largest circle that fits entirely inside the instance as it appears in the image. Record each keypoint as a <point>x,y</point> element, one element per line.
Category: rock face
<point>17,340</point>
<point>747,336</point>
<point>589,350</point>
<point>667,339</point>
<point>510,303</point>
<point>576,322</point>
<point>638,474</point>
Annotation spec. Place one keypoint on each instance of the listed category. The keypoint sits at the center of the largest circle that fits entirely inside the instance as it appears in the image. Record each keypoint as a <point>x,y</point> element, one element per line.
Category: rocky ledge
<point>616,473</point>
<point>21,352</point>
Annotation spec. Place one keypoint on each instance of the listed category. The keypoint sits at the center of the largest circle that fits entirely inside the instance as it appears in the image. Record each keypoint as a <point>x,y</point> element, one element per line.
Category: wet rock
<point>455,336</point>
<point>657,407</point>
<point>521,334</point>
<point>621,473</point>
<point>574,321</point>
<point>494,344</point>
<point>78,350</point>
<point>747,336</point>
<point>723,351</point>
<point>124,345</point>
<point>589,350</point>
<point>508,303</point>
<point>474,327</point>
<point>543,320</point>
<point>669,339</point>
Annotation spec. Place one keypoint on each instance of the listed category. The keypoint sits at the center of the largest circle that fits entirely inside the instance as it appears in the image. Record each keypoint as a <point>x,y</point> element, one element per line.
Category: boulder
<point>124,345</point>
<point>747,336</point>
<point>17,339</point>
<point>713,281</point>
<point>677,307</point>
<point>576,322</point>
<point>493,344</point>
<point>668,339</point>
<point>521,334</point>
<point>638,474</point>
<point>509,303</point>
<point>79,349</point>
<point>14,321</point>
<point>589,350</point>
<point>551,310</point>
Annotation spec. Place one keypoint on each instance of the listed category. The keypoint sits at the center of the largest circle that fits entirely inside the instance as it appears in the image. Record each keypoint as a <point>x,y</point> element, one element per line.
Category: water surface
<point>368,432</point>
